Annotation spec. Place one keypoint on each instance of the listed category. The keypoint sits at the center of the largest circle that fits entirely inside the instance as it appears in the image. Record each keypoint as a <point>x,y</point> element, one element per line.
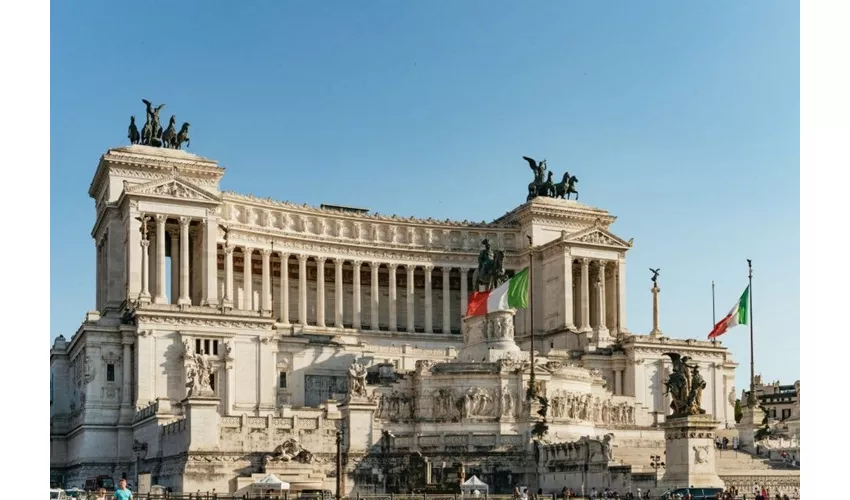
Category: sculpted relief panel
<point>583,407</point>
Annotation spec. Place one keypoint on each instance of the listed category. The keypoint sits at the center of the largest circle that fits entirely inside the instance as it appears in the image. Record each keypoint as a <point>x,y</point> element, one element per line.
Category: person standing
<point>122,493</point>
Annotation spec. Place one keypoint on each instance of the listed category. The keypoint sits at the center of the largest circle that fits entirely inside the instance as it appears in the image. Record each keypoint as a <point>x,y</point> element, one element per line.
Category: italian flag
<point>739,315</point>
<point>512,294</point>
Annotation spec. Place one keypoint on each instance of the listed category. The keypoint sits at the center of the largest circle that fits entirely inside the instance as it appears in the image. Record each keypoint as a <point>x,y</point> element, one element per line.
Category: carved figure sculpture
<point>133,131</point>
<point>357,380</point>
<point>507,404</point>
<point>290,450</point>
<point>607,448</point>
<point>701,454</point>
<point>491,272</point>
<point>152,131</point>
<point>685,385</point>
<point>539,169</point>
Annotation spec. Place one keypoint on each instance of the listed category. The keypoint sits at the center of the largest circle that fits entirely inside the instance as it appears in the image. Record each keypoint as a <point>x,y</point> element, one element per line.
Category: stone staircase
<point>727,461</point>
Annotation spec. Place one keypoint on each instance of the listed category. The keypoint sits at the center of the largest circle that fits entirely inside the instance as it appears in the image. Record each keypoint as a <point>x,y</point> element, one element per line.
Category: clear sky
<point>681,118</point>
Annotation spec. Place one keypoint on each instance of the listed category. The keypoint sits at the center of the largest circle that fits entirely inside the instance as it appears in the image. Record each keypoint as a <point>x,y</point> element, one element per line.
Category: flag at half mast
<point>739,315</point>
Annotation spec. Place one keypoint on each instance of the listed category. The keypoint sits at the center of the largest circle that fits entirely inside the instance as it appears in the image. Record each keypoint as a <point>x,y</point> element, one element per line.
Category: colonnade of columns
<point>342,301</point>
<point>153,269</point>
<point>604,294</point>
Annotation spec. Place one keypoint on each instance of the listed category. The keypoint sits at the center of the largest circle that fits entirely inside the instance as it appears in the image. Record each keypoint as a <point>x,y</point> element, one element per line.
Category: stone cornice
<point>304,209</point>
<point>155,163</point>
<point>561,212</point>
<point>187,321</point>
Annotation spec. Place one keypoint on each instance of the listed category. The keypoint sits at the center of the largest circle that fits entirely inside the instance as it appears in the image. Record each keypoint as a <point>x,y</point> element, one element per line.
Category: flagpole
<point>713,311</point>
<point>751,399</point>
<point>532,390</point>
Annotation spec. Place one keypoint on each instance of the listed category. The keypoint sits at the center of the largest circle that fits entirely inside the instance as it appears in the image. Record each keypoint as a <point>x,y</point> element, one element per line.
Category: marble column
<point>338,289</point>
<point>447,294</point>
<point>411,325</point>
<point>585,295</point>
<point>228,276</point>
<point>320,290</point>
<point>145,295</point>
<point>247,279</point>
<point>159,293</point>
<point>175,264</point>
<point>302,289</point>
<point>600,300</point>
<point>184,262</point>
<point>429,299</point>
<point>464,291</point>
<point>621,295</point>
<point>266,300</point>
<point>356,301</point>
<point>393,295</point>
<point>230,374</point>
<point>569,319</point>
<point>210,260</point>
<point>375,297</point>
<point>283,315</point>
<point>153,270</point>
<point>618,382</point>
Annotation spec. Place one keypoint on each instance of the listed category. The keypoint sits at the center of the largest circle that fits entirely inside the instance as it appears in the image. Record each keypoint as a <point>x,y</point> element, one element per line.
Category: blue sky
<point>681,118</point>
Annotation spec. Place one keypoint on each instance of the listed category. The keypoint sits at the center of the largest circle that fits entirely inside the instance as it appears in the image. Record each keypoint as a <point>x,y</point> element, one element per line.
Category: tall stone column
<point>375,297</point>
<point>447,294</point>
<point>159,293</point>
<point>464,291</point>
<point>393,295</point>
<point>429,299</point>
<point>302,289</point>
<point>585,295</point>
<point>175,264</point>
<point>569,315</point>
<point>230,377</point>
<point>184,262</point>
<point>228,276</point>
<point>210,260</point>
<point>411,326</point>
<point>356,301</point>
<point>621,295</point>
<point>618,382</point>
<point>320,291</point>
<point>284,288</point>
<point>267,280</point>
<point>656,329</point>
<point>153,270</point>
<point>338,289</point>
<point>600,300</point>
<point>247,278</point>
<point>145,295</point>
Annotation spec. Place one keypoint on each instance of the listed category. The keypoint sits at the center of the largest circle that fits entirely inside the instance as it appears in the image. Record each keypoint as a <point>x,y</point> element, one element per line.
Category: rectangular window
<point>208,346</point>
<point>212,381</point>
<point>281,381</point>
<point>215,347</point>
<point>197,345</point>
<point>110,372</point>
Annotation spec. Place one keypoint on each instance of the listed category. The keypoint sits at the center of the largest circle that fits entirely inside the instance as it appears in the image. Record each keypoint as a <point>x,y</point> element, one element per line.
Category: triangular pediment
<point>172,187</point>
<point>599,236</point>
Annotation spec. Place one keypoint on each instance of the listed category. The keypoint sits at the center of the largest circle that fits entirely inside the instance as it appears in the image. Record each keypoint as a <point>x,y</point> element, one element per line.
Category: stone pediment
<point>172,187</point>
<point>598,236</point>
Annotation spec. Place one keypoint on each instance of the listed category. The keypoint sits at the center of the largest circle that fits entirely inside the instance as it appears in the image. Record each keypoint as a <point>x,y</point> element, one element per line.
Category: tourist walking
<point>122,493</point>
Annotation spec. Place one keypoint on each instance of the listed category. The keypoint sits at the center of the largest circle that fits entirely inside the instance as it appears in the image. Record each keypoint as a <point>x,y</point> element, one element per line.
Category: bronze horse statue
<point>169,137</point>
<point>566,186</point>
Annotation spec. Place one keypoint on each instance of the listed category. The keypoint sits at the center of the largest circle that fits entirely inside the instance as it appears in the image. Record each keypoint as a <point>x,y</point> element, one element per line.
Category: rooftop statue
<point>152,133</point>
<point>543,185</point>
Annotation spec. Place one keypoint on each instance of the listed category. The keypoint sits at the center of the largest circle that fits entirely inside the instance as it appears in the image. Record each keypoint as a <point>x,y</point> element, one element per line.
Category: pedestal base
<point>203,423</point>
<point>690,452</point>
<point>750,423</point>
<point>489,338</point>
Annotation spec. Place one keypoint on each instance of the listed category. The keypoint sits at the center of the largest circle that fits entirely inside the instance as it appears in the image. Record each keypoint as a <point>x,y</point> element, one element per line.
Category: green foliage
<point>739,411</point>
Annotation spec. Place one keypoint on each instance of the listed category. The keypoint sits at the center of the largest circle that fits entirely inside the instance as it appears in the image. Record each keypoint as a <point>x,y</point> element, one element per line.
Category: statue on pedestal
<point>357,380</point>
<point>198,373</point>
<point>685,385</point>
<point>491,271</point>
<point>545,187</point>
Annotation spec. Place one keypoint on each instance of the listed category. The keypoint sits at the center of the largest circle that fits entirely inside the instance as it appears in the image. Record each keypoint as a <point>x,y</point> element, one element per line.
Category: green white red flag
<point>512,294</point>
<point>739,315</point>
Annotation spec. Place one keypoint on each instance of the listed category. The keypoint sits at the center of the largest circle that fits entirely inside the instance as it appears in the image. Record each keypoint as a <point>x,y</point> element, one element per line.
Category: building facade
<point>280,301</point>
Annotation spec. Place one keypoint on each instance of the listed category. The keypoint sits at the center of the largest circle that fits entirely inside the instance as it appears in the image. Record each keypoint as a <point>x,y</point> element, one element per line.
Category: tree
<point>739,411</point>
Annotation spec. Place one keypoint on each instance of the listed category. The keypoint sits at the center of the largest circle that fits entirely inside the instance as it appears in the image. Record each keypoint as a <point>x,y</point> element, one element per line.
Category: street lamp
<point>338,465</point>
<point>656,463</point>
